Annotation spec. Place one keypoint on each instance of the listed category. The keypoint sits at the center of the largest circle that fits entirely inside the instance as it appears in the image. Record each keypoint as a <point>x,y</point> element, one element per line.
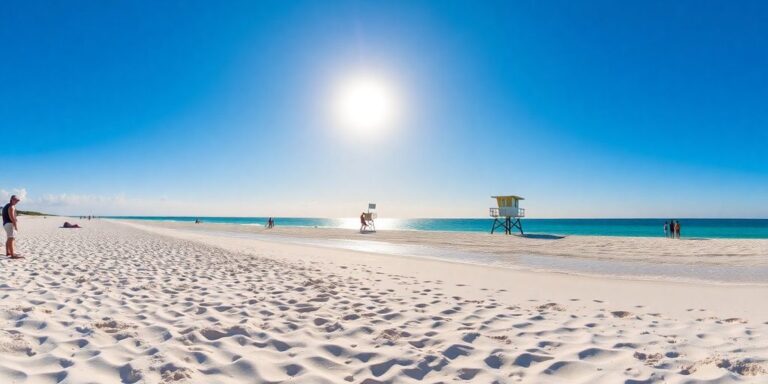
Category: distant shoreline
<point>620,227</point>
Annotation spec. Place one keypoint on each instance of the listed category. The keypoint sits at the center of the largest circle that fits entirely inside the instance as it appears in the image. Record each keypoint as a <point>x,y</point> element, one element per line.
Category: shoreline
<point>665,277</point>
<point>740,262</point>
<point>598,229</point>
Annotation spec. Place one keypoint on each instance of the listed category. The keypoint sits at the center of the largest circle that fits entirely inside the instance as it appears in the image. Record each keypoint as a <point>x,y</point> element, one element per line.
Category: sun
<point>366,103</point>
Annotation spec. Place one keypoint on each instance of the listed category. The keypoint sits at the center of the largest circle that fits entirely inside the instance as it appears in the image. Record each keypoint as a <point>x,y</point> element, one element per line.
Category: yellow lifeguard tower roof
<point>508,197</point>
<point>507,200</point>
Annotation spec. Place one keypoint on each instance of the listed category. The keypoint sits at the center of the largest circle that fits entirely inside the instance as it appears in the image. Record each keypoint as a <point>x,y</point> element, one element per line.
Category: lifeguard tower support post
<point>507,214</point>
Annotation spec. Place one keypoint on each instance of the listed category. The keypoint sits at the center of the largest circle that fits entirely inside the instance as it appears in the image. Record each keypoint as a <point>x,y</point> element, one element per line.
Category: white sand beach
<point>128,302</point>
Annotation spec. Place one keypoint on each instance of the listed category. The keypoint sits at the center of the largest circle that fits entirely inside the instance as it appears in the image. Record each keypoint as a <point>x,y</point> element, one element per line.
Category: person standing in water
<point>10,224</point>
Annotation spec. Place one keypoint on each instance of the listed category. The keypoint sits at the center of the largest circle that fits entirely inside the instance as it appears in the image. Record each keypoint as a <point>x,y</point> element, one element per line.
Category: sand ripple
<point>114,304</point>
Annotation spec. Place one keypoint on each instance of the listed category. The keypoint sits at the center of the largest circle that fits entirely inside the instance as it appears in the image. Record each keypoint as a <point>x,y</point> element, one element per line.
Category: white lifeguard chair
<point>507,214</point>
<point>368,218</point>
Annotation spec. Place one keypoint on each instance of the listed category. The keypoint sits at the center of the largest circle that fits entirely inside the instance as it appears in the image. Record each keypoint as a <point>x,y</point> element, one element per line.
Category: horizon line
<point>433,218</point>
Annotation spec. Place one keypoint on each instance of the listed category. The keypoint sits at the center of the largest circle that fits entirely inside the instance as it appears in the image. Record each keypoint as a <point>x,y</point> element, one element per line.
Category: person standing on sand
<point>677,229</point>
<point>11,226</point>
<point>666,229</point>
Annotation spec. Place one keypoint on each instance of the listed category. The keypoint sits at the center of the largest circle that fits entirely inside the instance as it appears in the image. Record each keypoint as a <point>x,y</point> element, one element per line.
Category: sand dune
<point>121,303</point>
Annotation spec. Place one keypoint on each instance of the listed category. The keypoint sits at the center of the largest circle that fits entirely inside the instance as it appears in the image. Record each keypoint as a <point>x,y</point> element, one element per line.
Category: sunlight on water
<point>382,224</point>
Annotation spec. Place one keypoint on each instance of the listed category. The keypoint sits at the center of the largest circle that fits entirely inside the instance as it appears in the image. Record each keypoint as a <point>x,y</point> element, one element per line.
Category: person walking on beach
<point>11,226</point>
<point>363,223</point>
<point>677,229</point>
<point>666,229</point>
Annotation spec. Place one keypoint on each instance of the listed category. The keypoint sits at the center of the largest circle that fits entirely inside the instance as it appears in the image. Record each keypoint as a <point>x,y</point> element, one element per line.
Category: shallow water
<point>691,228</point>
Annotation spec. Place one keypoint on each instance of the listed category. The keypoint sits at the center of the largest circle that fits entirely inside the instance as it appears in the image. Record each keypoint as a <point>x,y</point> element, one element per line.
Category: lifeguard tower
<point>507,214</point>
<point>369,217</point>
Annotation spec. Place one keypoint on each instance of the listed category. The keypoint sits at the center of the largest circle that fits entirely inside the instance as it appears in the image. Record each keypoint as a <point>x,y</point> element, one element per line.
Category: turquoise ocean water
<point>690,228</point>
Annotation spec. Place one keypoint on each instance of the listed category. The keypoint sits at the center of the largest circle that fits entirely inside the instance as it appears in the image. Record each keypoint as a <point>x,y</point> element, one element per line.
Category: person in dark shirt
<point>11,226</point>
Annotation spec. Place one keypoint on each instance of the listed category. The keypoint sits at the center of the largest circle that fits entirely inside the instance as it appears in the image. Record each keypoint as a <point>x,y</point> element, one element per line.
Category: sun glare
<point>365,103</point>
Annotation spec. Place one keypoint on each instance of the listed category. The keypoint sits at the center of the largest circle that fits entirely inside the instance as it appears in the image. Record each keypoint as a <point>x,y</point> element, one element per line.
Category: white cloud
<point>72,204</point>
<point>68,200</point>
<point>21,193</point>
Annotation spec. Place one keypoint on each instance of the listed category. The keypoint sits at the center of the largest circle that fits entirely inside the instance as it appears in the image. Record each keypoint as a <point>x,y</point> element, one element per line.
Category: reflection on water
<point>354,223</point>
<point>574,265</point>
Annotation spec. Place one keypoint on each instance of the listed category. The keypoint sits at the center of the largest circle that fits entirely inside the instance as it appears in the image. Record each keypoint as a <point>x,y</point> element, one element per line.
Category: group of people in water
<point>672,229</point>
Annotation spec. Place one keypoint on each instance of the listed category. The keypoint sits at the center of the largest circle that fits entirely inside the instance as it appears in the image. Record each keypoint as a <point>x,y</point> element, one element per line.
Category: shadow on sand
<point>541,236</point>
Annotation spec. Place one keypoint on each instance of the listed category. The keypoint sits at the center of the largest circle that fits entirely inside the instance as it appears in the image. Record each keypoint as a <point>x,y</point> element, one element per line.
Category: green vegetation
<point>33,213</point>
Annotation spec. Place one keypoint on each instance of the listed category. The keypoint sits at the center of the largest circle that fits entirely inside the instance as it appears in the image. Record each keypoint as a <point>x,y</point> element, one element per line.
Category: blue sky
<point>588,109</point>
